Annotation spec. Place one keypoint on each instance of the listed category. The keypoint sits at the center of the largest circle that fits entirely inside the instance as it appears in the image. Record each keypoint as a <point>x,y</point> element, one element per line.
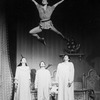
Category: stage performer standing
<point>65,79</point>
<point>22,82</point>
<point>43,82</point>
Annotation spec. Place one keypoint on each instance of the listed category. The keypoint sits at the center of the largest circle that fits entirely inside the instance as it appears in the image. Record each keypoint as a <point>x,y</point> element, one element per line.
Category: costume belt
<point>45,24</point>
<point>45,20</point>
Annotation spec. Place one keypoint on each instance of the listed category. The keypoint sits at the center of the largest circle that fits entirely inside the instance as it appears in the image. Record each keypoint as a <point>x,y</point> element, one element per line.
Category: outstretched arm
<point>58,3</point>
<point>35,2</point>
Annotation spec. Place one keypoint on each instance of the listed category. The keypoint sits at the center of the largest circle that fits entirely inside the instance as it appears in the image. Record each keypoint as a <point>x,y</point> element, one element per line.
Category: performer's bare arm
<point>35,2</point>
<point>58,3</point>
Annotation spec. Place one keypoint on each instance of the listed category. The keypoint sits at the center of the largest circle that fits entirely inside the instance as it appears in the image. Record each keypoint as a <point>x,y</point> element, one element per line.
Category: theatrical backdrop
<point>78,21</point>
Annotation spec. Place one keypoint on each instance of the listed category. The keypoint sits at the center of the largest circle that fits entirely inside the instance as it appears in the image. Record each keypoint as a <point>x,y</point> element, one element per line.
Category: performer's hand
<point>16,85</point>
<point>69,84</point>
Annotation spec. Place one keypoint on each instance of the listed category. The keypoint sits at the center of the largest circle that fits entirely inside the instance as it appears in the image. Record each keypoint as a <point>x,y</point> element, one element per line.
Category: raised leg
<point>55,30</point>
<point>35,31</point>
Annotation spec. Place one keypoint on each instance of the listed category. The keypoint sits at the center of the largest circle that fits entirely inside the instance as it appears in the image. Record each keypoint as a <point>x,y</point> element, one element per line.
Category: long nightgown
<point>64,75</point>
<point>22,77</point>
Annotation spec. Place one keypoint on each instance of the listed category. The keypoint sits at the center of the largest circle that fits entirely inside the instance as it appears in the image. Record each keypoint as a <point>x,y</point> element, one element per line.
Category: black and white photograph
<point>49,50</point>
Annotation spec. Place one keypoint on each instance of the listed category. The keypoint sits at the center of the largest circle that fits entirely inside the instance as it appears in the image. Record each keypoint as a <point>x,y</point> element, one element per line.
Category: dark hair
<point>20,64</point>
<point>41,62</point>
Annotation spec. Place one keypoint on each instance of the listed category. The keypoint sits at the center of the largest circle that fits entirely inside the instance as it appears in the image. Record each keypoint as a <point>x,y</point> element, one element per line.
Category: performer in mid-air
<point>45,13</point>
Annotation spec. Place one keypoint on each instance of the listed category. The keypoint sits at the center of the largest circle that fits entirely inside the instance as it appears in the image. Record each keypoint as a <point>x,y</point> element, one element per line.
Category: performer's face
<point>44,2</point>
<point>23,60</point>
<point>42,64</point>
<point>66,58</point>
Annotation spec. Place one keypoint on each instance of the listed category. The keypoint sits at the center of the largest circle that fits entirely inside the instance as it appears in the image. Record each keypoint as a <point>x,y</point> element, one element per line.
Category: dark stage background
<point>77,19</point>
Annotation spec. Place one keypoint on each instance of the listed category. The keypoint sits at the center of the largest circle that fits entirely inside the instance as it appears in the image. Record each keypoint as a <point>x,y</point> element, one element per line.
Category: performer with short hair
<point>43,82</point>
<point>45,13</point>
<point>65,79</point>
